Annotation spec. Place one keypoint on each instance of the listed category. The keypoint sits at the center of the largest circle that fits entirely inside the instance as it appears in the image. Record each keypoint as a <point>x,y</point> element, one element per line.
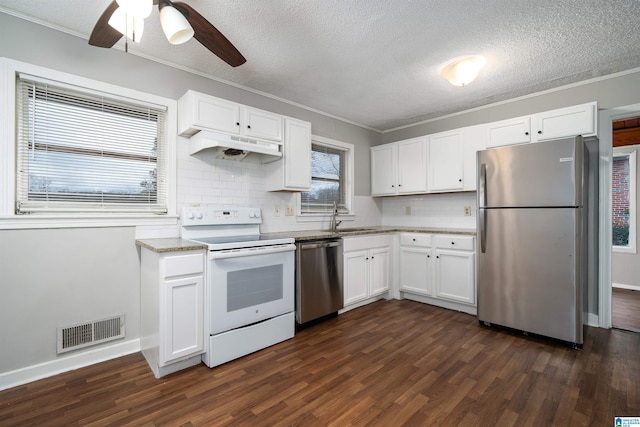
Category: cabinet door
<point>445,161</point>
<point>383,170</point>
<point>473,140</point>
<point>509,132</point>
<point>216,114</point>
<point>261,124</point>
<point>297,155</point>
<point>356,276</point>
<point>378,271</point>
<point>412,166</point>
<point>415,270</point>
<point>564,122</point>
<point>182,318</point>
<point>454,275</point>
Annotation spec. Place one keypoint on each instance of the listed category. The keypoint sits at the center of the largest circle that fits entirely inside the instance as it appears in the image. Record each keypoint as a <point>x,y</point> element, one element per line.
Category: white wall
<point>431,210</point>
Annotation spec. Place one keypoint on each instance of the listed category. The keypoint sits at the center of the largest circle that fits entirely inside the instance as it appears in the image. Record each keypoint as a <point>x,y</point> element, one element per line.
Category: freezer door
<point>540,174</point>
<point>529,272</point>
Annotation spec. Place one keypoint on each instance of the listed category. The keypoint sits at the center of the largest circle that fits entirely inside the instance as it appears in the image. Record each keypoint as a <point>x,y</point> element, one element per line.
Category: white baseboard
<point>623,286</point>
<point>67,363</point>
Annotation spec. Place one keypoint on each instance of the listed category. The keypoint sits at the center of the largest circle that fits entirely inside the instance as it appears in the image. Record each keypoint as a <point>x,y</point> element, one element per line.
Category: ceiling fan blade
<point>210,37</point>
<point>103,35</point>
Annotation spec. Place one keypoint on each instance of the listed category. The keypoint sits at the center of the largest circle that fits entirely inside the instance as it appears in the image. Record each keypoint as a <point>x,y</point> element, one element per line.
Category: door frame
<point>605,136</point>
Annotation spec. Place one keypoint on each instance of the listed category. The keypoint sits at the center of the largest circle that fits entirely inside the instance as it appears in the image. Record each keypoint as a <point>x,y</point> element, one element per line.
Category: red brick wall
<point>620,193</point>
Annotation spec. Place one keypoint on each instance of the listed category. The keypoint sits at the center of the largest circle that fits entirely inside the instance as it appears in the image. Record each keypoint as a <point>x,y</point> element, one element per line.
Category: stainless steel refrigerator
<point>537,224</point>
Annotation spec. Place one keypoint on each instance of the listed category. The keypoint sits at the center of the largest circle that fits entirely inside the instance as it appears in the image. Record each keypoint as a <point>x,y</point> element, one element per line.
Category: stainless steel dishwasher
<point>319,287</point>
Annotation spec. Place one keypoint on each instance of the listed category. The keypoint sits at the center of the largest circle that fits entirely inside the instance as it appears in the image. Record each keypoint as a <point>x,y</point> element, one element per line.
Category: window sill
<point>624,249</point>
<point>21,222</point>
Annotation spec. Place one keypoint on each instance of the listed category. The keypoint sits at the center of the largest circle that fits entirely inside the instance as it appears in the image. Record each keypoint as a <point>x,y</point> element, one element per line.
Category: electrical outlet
<point>407,210</point>
<point>467,211</point>
<point>289,210</point>
<point>276,210</point>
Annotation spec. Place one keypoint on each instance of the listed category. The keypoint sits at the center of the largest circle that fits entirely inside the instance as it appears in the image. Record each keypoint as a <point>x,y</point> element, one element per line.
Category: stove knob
<point>190,215</point>
<point>256,213</point>
<point>199,215</point>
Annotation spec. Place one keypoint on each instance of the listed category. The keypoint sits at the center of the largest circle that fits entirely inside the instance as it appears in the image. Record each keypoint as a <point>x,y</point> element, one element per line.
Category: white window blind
<point>82,151</point>
<point>327,181</point>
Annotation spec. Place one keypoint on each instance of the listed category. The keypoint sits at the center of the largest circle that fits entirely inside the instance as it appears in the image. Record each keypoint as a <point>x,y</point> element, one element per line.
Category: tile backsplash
<point>431,210</point>
<point>204,180</point>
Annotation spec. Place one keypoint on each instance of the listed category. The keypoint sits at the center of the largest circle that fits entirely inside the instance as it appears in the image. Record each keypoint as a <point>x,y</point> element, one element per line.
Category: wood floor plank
<point>391,363</point>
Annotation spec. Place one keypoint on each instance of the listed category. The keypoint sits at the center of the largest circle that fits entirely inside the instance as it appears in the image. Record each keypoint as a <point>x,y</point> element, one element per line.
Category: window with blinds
<point>81,151</point>
<point>327,181</point>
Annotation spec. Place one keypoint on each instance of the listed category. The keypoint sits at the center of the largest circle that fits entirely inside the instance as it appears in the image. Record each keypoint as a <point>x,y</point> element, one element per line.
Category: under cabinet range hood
<point>233,147</point>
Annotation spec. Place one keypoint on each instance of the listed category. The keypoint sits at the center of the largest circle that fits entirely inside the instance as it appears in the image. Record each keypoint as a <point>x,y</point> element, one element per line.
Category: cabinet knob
<point>460,180</point>
<point>539,132</point>
<point>367,259</point>
<point>372,257</point>
<point>526,133</point>
<point>453,243</point>
<point>413,240</point>
<point>399,185</point>
<point>428,256</point>
<point>248,126</point>
<point>392,186</point>
<point>438,256</point>
<point>237,123</point>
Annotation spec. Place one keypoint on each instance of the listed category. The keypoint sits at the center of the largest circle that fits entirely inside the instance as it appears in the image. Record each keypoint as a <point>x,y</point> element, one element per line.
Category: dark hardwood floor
<point>390,363</point>
<point>625,309</point>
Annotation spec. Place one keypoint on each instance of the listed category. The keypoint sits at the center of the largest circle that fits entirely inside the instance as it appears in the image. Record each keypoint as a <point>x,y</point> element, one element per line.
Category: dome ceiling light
<point>463,70</point>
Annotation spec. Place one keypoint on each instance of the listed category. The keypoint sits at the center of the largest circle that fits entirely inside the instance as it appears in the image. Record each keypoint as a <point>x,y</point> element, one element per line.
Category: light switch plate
<point>289,210</point>
<point>467,211</point>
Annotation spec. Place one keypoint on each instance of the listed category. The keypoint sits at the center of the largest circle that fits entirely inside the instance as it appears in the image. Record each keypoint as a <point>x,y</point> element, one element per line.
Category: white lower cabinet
<point>366,267</point>
<point>171,309</point>
<point>440,267</point>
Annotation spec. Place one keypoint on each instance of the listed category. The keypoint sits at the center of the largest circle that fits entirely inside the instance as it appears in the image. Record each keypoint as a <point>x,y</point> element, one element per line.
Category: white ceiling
<point>376,62</point>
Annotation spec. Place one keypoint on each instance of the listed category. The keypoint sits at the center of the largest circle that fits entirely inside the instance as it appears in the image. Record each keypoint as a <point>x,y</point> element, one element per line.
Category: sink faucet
<point>334,223</point>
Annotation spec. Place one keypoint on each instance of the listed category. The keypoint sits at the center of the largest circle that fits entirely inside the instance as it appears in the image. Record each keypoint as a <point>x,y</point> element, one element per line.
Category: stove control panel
<point>211,215</point>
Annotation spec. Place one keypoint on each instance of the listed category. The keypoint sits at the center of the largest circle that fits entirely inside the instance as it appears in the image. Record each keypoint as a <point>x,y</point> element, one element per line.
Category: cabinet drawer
<point>180,265</point>
<point>416,239</point>
<point>364,243</point>
<point>454,242</point>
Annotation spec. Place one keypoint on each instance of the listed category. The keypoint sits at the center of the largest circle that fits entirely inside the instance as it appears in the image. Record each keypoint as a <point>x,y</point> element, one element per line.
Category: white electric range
<point>249,284</point>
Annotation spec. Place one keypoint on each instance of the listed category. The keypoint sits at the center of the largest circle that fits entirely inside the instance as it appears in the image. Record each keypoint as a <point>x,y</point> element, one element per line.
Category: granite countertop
<point>177,244</point>
<point>300,236</point>
<point>171,244</point>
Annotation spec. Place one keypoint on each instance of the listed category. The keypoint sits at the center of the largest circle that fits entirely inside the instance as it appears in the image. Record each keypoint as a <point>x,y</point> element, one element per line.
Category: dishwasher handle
<point>316,245</point>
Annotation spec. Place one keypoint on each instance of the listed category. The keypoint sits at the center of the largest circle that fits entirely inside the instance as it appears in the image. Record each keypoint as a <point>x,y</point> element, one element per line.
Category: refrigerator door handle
<point>482,199</point>
<point>482,203</point>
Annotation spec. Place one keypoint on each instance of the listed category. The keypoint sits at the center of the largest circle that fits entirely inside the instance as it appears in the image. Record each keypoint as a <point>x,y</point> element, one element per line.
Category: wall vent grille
<point>85,334</point>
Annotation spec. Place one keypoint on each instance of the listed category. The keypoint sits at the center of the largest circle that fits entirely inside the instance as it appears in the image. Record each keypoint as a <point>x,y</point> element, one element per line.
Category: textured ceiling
<point>375,62</point>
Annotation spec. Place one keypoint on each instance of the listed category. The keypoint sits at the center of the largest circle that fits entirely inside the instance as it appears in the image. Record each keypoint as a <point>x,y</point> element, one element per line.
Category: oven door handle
<point>244,252</point>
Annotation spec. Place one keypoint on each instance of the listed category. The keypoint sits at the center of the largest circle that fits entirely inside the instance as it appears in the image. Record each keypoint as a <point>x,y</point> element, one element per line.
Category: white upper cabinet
<point>261,124</point>
<point>445,161</point>
<point>576,120</point>
<point>473,140</point>
<point>293,171</point>
<point>509,132</point>
<point>383,170</point>
<point>198,111</point>
<point>399,168</point>
<point>412,160</point>
<point>560,123</point>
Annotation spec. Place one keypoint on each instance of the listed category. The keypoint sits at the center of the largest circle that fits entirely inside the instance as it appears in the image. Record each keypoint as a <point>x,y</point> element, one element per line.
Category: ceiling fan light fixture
<point>138,8</point>
<point>463,70</point>
<point>175,26</point>
<point>128,25</point>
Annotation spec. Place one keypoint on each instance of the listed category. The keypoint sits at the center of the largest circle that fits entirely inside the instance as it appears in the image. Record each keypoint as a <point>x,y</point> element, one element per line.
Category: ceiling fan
<point>179,21</point>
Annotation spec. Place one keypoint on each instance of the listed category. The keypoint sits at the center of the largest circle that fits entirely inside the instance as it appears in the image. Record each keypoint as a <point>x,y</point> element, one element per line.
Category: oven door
<point>246,286</point>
